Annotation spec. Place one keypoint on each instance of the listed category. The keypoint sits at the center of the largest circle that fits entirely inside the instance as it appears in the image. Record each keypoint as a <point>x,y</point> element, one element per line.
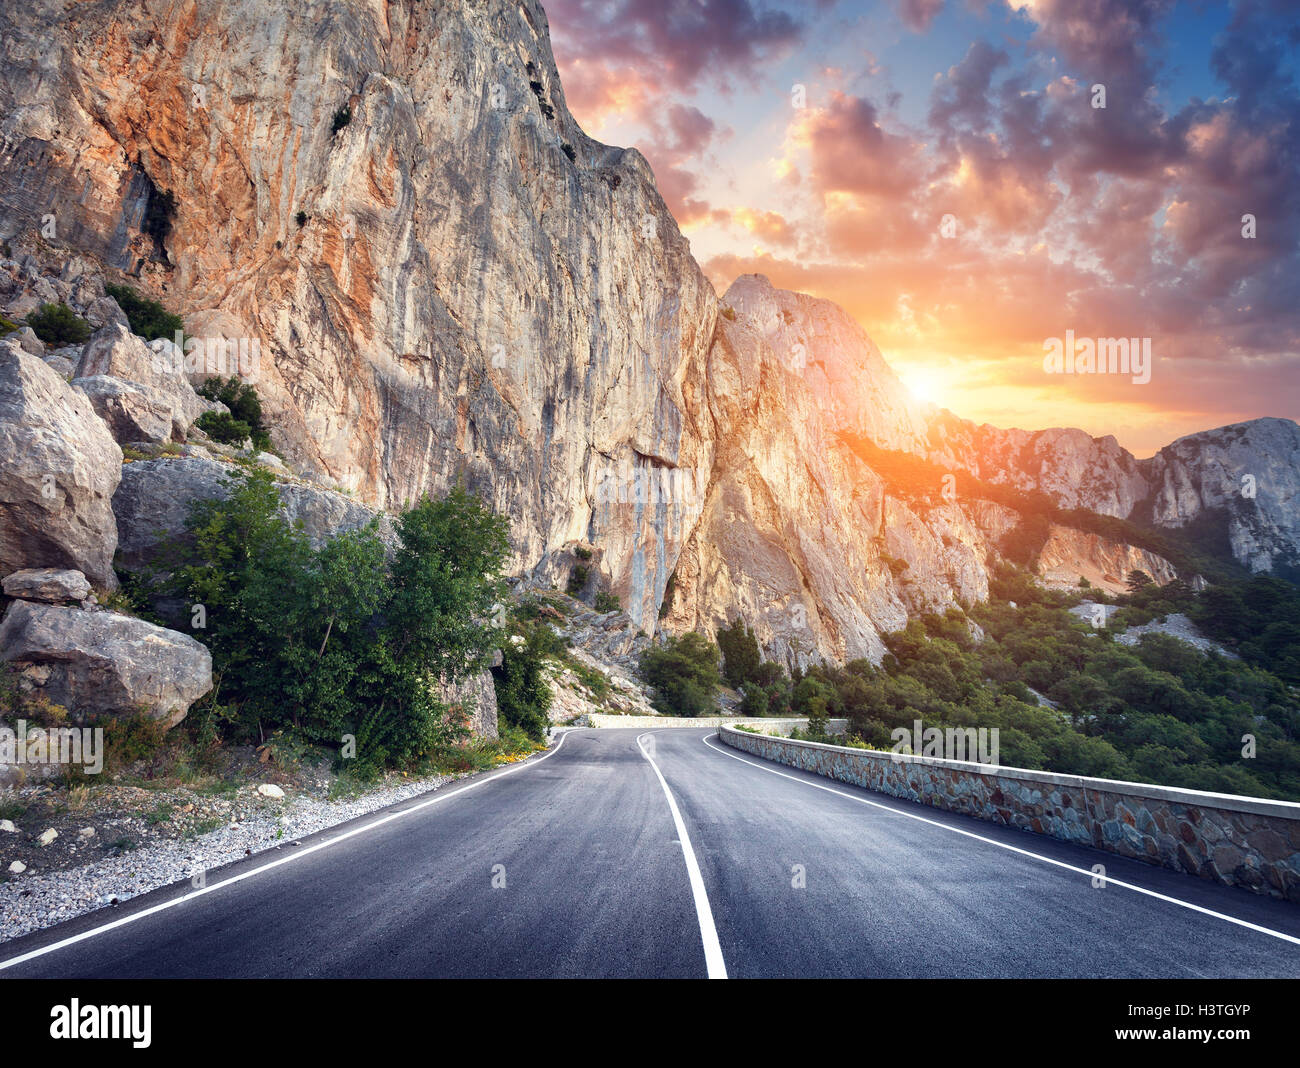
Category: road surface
<point>663,853</point>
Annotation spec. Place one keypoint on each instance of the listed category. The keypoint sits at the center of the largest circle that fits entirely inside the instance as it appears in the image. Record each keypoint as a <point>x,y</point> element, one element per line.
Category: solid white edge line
<point>1106,879</point>
<point>717,967</point>
<point>290,858</point>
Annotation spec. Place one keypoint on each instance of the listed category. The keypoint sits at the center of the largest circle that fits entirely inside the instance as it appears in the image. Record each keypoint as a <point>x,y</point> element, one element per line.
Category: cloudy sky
<point>1124,221</point>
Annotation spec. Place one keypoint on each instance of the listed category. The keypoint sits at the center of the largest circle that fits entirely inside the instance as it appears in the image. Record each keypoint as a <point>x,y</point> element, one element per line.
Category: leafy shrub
<point>607,602</point>
<point>683,673</point>
<point>245,412</point>
<point>58,325</point>
<point>147,317</point>
<point>753,699</point>
<point>523,696</point>
<point>338,640</point>
<point>224,427</point>
<point>577,580</point>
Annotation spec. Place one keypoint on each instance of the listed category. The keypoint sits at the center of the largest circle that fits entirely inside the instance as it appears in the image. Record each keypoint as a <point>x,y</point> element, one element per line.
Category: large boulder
<point>102,663</point>
<point>59,466</point>
<point>51,584</point>
<point>132,412</point>
<point>156,369</point>
<point>324,513</point>
<point>474,700</point>
<point>155,497</point>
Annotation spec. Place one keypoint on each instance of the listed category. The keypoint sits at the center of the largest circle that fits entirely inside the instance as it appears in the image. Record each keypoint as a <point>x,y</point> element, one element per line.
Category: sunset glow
<point>943,172</point>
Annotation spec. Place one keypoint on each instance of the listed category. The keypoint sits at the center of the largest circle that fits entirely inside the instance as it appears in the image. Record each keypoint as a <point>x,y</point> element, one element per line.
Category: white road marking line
<point>717,967</point>
<point>1014,849</point>
<point>162,906</point>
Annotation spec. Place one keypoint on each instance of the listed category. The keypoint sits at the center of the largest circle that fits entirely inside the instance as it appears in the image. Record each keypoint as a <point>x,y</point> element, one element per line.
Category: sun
<point>924,383</point>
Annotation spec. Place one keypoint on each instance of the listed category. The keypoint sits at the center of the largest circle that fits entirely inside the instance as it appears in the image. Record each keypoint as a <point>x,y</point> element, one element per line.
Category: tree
<point>753,699</point>
<point>1138,580</point>
<point>337,640</point>
<point>683,673</point>
<point>446,578</point>
<point>740,653</point>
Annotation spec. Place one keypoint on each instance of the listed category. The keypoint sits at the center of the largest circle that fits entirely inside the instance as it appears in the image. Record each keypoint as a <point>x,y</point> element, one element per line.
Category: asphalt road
<point>780,873</point>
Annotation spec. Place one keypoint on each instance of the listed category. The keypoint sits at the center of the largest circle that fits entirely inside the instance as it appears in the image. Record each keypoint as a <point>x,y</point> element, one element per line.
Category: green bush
<point>753,700</point>
<point>147,317</point>
<point>245,413</point>
<point>607,602</point>
<point>338,640</point>
<point>224,427</point>
<point>58,325</point>
<point>577,580</point>
<point>683,673</point>
<point>523,696</point>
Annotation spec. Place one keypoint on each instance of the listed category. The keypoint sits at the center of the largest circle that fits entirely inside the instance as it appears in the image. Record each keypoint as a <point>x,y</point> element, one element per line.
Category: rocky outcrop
<point>131,412</point>
<point>102,663</point>
<point>323,513</point>
<point>797,534</point>
<point>139,388</point>
<point>50,584</point>
<point>59,467</point>
<point>1068,466</point>
<point>1247,477</point>
<point>1069,555</point>
<point>154,499</point>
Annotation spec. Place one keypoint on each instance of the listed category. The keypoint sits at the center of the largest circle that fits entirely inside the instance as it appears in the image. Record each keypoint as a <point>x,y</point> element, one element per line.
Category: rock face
<point>103,663</point>
<point>1069,466</point>
<point>1070,554</point>
<point>60,467</point>
<point>797,534</point>
<point>1249,473</point>
<point>474,699</point>
<point>477,289</point>
<point>154,499</point>
<point>51,584</point>
<point>1243,479</point>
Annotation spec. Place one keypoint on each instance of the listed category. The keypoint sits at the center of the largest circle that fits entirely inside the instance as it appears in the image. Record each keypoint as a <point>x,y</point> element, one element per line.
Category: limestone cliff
<point>798,535</point>
<point>443,276</point>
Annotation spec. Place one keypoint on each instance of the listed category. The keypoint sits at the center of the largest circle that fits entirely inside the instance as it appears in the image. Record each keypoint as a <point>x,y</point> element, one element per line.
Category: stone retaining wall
<point>767,726</point>
<point>1239,841</point>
